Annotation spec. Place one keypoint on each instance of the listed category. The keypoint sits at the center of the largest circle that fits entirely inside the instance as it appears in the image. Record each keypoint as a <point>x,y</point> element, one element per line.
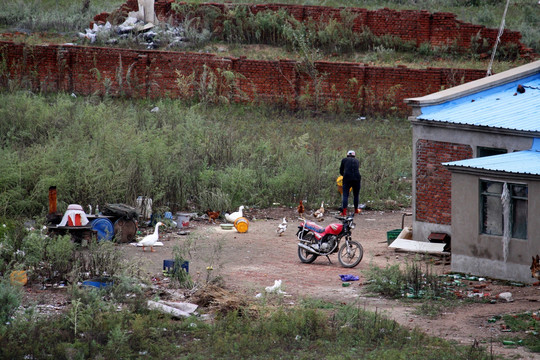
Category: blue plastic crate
<point>170,266</point>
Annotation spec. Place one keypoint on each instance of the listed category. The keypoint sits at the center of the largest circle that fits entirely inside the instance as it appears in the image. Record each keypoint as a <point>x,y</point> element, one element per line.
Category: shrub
<point>411,282</point>
<point>59,255</point>
<point>10,299</point>
<point>387,282</point>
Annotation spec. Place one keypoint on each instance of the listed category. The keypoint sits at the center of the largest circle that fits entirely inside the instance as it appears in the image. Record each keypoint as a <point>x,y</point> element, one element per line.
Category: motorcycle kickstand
<point>328,259</point>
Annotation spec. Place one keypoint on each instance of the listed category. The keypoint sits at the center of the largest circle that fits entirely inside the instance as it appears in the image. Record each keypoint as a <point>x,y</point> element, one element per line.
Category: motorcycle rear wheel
<point>350,256</point>
<point>305,256</point>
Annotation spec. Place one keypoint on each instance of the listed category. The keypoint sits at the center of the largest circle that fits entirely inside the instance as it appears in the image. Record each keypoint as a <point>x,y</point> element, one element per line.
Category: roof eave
<point>475,86</point>
<point>472,127</point>
<point>492,173</point>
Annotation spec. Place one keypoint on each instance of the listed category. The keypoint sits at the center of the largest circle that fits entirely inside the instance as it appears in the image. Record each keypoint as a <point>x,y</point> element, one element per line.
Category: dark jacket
<point>350,169</point>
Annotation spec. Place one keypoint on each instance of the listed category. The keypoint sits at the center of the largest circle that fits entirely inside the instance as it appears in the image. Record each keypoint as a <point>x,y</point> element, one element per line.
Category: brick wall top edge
<point>214,57</point>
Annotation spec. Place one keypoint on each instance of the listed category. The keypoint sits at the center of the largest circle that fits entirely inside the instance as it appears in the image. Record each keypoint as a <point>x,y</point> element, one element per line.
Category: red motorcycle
<point>316,241</point>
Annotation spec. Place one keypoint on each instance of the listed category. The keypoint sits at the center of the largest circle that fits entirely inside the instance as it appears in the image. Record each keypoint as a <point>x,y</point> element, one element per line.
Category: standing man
<point>349,169</point>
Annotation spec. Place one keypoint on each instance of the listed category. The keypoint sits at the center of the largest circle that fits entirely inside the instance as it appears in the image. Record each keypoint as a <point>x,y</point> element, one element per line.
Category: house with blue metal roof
<point>476,172</point>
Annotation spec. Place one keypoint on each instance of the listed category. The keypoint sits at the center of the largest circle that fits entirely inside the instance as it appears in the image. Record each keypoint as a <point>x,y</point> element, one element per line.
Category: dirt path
<point>251,261</point>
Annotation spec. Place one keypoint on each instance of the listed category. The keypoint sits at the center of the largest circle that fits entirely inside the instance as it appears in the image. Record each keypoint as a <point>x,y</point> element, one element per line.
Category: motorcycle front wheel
<point>305,256</point>
<point>351,255</point>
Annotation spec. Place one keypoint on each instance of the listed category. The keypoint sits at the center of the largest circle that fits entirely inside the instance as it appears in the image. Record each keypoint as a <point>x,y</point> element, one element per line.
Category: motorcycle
<point>316,241</point>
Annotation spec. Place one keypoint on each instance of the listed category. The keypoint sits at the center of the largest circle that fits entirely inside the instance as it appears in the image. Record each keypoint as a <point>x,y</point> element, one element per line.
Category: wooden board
<point>418,246</point>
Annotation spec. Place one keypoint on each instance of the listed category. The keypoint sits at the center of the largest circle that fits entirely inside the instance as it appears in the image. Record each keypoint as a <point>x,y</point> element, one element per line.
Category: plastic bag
<point>349,278</point>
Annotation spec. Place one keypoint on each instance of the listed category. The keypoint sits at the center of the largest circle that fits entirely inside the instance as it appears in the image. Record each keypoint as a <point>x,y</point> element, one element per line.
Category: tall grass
<point>51,15</point>
<point>100,151</point>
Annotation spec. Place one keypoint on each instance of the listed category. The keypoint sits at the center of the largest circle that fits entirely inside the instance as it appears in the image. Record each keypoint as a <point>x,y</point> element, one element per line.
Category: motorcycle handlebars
<point>344,218</point>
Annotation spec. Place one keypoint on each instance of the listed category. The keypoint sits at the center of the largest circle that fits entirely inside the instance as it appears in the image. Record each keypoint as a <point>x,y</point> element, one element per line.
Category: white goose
<point>151,239</point>
<point>235,215</point>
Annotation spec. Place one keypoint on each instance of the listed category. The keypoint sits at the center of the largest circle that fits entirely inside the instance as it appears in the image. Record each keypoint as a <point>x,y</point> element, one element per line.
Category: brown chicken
<point>212,215</point>
<point>301,209</point>
<point>535,268</point>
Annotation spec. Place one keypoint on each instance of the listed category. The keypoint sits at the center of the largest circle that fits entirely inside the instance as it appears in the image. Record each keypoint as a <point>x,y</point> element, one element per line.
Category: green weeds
<point>95,329</point>
<point>10,299</point>
<point>522,330</point>
<point>99,151</point>
<point>415,281</point>
<point>51,16</point>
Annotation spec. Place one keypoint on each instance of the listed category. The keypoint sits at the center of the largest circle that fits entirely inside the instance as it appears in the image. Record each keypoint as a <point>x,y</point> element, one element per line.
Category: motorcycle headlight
<point>353,225</point>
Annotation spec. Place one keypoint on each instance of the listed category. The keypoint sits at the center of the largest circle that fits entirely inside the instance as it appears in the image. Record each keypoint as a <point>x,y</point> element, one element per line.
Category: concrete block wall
<point>433,181</point>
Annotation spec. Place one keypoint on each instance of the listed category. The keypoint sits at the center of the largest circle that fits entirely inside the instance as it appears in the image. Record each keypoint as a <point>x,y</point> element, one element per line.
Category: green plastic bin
<point>392,235</point>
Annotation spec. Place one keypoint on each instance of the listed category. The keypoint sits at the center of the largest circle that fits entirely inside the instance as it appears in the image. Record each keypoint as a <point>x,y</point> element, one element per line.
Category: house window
<point>484,151</point>
<point>493,206</point>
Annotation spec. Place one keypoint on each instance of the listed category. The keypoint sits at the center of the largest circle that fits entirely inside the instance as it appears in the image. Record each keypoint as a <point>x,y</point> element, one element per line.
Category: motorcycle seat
<point>314,227</point>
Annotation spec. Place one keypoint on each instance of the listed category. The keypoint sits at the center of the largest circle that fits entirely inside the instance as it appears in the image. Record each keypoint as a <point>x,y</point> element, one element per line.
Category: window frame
<point>514,199</point>
<point>483,151</point>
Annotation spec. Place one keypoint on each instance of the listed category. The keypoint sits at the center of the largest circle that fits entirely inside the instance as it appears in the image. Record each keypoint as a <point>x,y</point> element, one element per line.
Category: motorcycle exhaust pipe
<point>307,248</point>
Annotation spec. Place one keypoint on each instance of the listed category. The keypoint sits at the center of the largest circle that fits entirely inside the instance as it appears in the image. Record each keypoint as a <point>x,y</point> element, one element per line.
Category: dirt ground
<point>251,261</point>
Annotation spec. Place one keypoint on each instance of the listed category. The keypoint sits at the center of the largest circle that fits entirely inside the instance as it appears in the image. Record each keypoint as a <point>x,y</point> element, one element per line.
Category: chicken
<point>235,215</point>
<point>282,227</point>
<point>319,213</point>
<point>151,239</point>
<point>535,268</point>
<point>212,215</point>
<point>301,209</point>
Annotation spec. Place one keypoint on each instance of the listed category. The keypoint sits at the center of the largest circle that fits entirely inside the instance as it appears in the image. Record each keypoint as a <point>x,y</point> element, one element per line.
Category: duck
<point>151,239</point>
<point>282,227</point>
<point>235,215</point>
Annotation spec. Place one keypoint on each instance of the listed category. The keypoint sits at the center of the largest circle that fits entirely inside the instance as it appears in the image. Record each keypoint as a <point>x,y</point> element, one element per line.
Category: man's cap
<point>351,153</point>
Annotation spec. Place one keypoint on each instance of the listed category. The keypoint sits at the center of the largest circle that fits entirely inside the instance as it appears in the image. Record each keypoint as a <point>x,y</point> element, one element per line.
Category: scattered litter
<point>349,277</point>
<point>183,306</point>
<point>161,306</point>
<point>139,32</point>
<point>98,283</point>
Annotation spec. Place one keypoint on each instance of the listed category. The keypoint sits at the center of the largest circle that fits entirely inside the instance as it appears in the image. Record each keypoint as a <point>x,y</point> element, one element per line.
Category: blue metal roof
<point>499,107</point>
<point>519,162</point>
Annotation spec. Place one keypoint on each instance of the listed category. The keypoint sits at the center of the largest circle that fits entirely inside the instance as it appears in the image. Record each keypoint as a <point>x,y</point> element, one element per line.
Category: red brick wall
<point>433,181</point>
<point>152,73</point>
<point>420,26</point>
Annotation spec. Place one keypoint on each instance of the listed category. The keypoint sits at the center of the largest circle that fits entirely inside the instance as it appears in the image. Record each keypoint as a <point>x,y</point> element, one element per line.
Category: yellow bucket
<point>18,277</point>
<point>241,224</point>
<point>339,182</point>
